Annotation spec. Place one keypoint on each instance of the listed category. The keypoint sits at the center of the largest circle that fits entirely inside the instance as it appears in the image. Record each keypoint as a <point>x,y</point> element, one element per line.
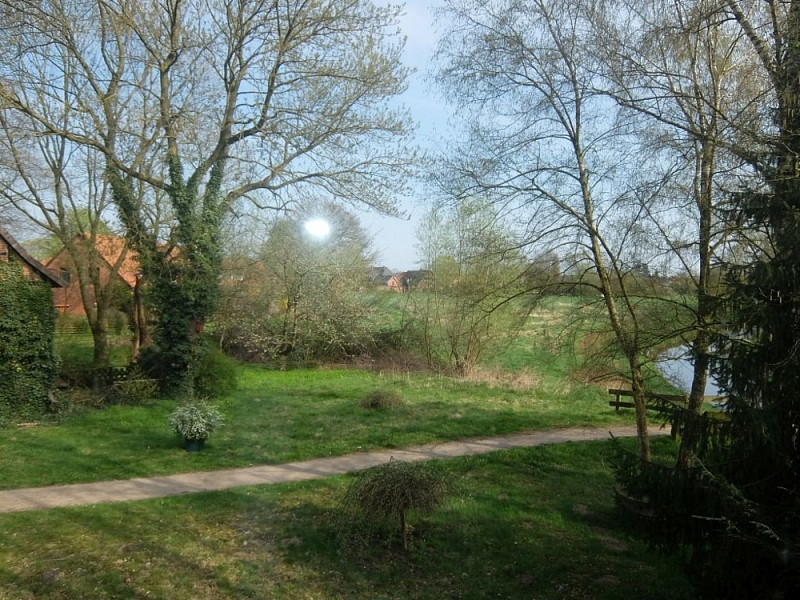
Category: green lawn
<point>535,523</point>
<point>279,416</point>
<point>76,349</point>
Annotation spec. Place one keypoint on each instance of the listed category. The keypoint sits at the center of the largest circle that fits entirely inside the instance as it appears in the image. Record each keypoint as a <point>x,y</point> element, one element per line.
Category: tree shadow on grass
<point>496,537</point>
<point>520,524</point>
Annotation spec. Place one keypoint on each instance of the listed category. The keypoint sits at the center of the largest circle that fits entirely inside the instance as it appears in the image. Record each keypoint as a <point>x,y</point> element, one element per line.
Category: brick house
<point>115,263</point>
<point>407,280</point>
<point>12,251</point>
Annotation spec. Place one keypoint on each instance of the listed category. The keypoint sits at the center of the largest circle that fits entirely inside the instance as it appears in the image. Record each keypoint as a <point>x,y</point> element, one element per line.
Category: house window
<point>64,274</point>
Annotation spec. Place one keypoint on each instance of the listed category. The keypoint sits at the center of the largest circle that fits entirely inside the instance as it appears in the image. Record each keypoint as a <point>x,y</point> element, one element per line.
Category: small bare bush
<point>382,399</point>
<point>393,489</point>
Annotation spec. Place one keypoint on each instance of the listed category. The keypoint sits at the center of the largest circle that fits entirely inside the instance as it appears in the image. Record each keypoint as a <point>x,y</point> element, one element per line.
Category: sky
<point>395,239</point>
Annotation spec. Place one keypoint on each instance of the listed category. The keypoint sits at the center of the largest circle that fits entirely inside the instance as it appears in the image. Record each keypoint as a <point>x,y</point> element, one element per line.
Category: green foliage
<point>195,420</point>
<point>394,488</point>
<point>216,374</point>
<point>28,361</point>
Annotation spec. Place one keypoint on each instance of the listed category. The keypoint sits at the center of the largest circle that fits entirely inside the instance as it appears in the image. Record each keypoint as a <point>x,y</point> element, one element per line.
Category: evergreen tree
<point>738,509</point>
<point>760,370</point>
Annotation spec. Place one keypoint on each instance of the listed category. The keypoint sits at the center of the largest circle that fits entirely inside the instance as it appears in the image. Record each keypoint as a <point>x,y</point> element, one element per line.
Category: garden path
<point>189,483</point>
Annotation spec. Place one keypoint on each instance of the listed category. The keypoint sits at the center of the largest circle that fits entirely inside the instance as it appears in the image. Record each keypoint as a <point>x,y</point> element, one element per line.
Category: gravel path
<point>189,483</point>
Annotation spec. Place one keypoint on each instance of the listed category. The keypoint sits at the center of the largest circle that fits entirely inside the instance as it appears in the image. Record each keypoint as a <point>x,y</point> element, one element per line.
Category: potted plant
<point>194,422</point>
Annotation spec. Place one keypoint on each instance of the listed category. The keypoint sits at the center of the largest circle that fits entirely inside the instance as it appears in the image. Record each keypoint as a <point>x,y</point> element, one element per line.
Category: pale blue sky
<point>395,239</point>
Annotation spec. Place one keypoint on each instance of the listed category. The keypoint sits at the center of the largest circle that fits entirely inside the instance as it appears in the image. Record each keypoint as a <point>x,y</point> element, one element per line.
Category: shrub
<point>382,399</point>
<point>216,374</point>
<point>394,488</point>
<point>75,399</point>
<point>28,361</point>
<point>134,388</point>
<point>195,420</point>
<point>330,335</point>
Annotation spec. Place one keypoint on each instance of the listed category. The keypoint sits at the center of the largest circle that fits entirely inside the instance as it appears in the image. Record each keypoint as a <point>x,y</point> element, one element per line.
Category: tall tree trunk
<point>138,321</point>
<point>704,196</point>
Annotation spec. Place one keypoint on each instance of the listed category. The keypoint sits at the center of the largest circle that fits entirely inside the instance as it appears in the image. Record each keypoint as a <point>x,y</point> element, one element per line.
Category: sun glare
<point>318,228</point>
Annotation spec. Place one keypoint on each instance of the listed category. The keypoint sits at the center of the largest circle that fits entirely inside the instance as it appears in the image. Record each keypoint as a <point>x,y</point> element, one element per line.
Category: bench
<point>677,399</point>
<point>716,417</point>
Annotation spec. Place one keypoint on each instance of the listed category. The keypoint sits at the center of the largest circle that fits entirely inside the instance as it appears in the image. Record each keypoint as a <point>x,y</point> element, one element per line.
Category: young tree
<point>470,301</point>
<point>206,103</point>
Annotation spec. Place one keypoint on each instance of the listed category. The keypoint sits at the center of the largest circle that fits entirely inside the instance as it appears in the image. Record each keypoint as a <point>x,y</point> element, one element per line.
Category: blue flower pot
<point>193,445</point>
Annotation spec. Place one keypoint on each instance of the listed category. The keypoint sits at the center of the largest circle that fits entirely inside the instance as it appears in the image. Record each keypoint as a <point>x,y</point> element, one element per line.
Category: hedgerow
<point>28,361</point>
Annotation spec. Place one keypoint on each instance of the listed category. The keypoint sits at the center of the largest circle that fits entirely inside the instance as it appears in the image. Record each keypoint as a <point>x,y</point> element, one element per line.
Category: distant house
<point>407,280</point>
<point>12,251</point>
<point>115,262</point>
<point>380,275</point>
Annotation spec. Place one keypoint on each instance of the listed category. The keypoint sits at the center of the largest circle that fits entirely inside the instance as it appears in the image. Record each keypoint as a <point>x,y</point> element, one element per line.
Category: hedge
<point>28,361</point>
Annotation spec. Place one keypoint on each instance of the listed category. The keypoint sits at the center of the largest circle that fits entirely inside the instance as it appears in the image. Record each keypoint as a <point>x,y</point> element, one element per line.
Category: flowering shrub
<point>195,420</point>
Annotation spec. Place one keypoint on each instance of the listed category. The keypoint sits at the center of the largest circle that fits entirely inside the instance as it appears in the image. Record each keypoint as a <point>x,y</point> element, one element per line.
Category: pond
<point>676,366</point>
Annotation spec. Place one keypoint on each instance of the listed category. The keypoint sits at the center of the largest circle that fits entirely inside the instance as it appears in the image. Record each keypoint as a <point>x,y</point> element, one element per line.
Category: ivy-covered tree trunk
<point>138,321</point>
<point>181,274</point>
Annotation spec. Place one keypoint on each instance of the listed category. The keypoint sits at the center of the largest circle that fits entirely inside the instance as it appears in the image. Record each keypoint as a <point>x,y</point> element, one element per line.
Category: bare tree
<point>58,187</point>
<point>208,102</point>
<point>686,70</point>
<point>546,146</point>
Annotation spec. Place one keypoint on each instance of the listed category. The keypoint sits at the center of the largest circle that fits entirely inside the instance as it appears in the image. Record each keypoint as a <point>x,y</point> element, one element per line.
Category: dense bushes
<point>214,375</point>
<point>28,361</point>
<point>340,333</point>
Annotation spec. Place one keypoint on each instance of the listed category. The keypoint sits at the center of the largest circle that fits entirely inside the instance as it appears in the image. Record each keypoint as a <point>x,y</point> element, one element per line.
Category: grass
<point>529,523</point>
<point>279,416</point>
<point>76,349</point>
